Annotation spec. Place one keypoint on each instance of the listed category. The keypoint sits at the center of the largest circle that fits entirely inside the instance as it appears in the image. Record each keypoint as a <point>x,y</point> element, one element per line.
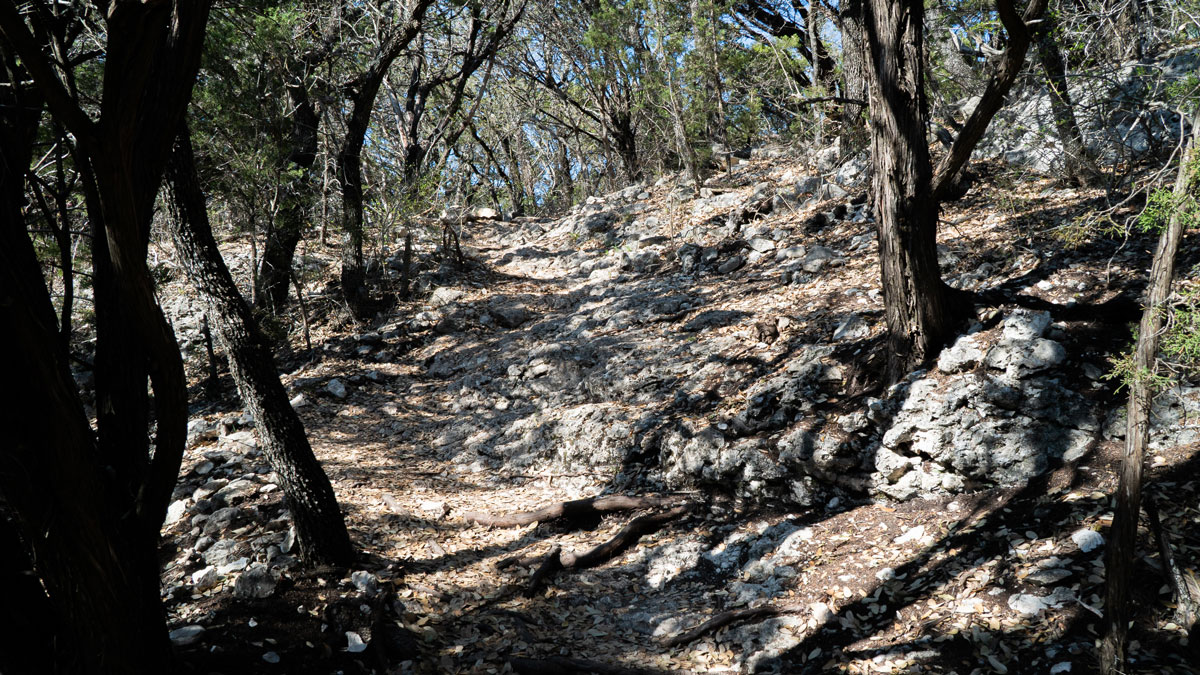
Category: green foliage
<point>1125,372</point>
<point>1181,341</point>
<point>1163,204</point>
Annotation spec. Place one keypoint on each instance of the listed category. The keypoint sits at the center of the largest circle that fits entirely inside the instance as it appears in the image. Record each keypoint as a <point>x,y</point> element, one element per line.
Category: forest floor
<point>1007,580</point>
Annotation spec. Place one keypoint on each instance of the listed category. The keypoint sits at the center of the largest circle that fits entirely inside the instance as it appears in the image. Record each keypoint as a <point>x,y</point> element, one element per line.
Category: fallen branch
<point>556,665</point>
<point>725,618</point>
<point>602,553</point>
<point>577,508</point>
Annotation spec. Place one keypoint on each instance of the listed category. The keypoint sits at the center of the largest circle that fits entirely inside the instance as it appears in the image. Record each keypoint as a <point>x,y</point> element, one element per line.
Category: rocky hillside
<point>723,347</point>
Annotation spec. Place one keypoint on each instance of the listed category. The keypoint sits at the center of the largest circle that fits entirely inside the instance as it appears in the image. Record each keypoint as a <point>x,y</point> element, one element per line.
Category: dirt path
<point>521,382</point>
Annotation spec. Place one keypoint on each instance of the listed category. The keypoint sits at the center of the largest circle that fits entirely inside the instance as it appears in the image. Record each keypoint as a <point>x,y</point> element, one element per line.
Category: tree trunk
<point>91,559</point>
<point>349,161</point>
<point>320,530</point>
<point>283,236</point>
<point>920,309</point>
<point>107,614</point>
<point>704,24</point>
<point>27,646</point>
<point>1077,161</point>
<point>624,139</point>
<point>1121,554</point>
<point>91,506</point>
<point>854,87</point>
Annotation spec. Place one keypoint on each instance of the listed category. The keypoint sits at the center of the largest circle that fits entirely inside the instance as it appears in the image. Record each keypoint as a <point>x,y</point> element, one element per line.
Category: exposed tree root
<point>557,665</point>
<point>578,508</point>
<point>726,618</point>
<point>550,566</point>
<point>556,560</point>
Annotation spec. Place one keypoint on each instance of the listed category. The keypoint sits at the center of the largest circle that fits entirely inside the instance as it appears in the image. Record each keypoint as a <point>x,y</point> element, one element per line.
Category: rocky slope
<point>724,346</point>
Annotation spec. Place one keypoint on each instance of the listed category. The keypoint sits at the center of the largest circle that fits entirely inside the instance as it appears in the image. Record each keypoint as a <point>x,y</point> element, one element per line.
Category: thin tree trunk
<point>1077,161</point>
<point>1121,554</point>
<point>686,154</point>
<point>320,530</point>
<point>1019,36</point>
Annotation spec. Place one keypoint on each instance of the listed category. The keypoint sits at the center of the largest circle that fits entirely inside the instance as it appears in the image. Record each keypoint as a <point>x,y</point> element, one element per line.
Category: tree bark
<point>854,86</point>
<point>1120,556</point>
<point>349,161</point>
<point>320,530</point>
<point>94,527</point>
<point>920,309</point>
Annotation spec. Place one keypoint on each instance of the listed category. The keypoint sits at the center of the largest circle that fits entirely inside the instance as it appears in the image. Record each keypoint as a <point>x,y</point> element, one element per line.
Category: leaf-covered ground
<point>1002,580</point>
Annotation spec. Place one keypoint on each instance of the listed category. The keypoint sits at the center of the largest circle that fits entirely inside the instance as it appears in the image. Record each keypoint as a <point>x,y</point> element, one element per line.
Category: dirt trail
<point>518,384</point>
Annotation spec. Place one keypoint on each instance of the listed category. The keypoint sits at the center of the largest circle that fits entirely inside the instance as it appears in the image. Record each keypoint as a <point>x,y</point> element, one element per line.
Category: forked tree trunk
<point>320,529</point>
<point>107,617</point>
<point>920,308</point>
<point>1120,556</point>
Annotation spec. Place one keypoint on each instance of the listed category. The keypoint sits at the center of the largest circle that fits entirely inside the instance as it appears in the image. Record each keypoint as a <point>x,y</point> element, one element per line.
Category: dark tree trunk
<point>107,617</point>
<point>349,174</point>
<point>320,529</point>
<point>921,310</point>
<point>1120,556</point>
<point>274,275</point>
<point>91,559</point>
<point>91,507</point>
<point>854,87</point>
<point>624,138</point>
<point>349,162</point>
<point>26,646</point>
<point>1077,161</point>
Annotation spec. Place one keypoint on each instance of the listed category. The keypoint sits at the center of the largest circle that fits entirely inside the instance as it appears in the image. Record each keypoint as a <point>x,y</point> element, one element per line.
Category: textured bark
<point>90,559</point>
<point>624,137</point>
<point>1077,161</point>
<point>279,250</point>
<point>106,617</point>
<point>854,85</point>
<point>94,527</point>
<point>1121,553</point>
<point>920,309</point>
<point>320,530</point>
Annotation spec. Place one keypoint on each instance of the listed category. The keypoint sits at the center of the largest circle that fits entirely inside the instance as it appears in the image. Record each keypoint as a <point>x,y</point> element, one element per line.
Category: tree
<point>1077,160</point>
<point>1120,556</point>
<point>921,311</point>
<point>89,508</point>
<point>320,530</point>
<point>360,93</point>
